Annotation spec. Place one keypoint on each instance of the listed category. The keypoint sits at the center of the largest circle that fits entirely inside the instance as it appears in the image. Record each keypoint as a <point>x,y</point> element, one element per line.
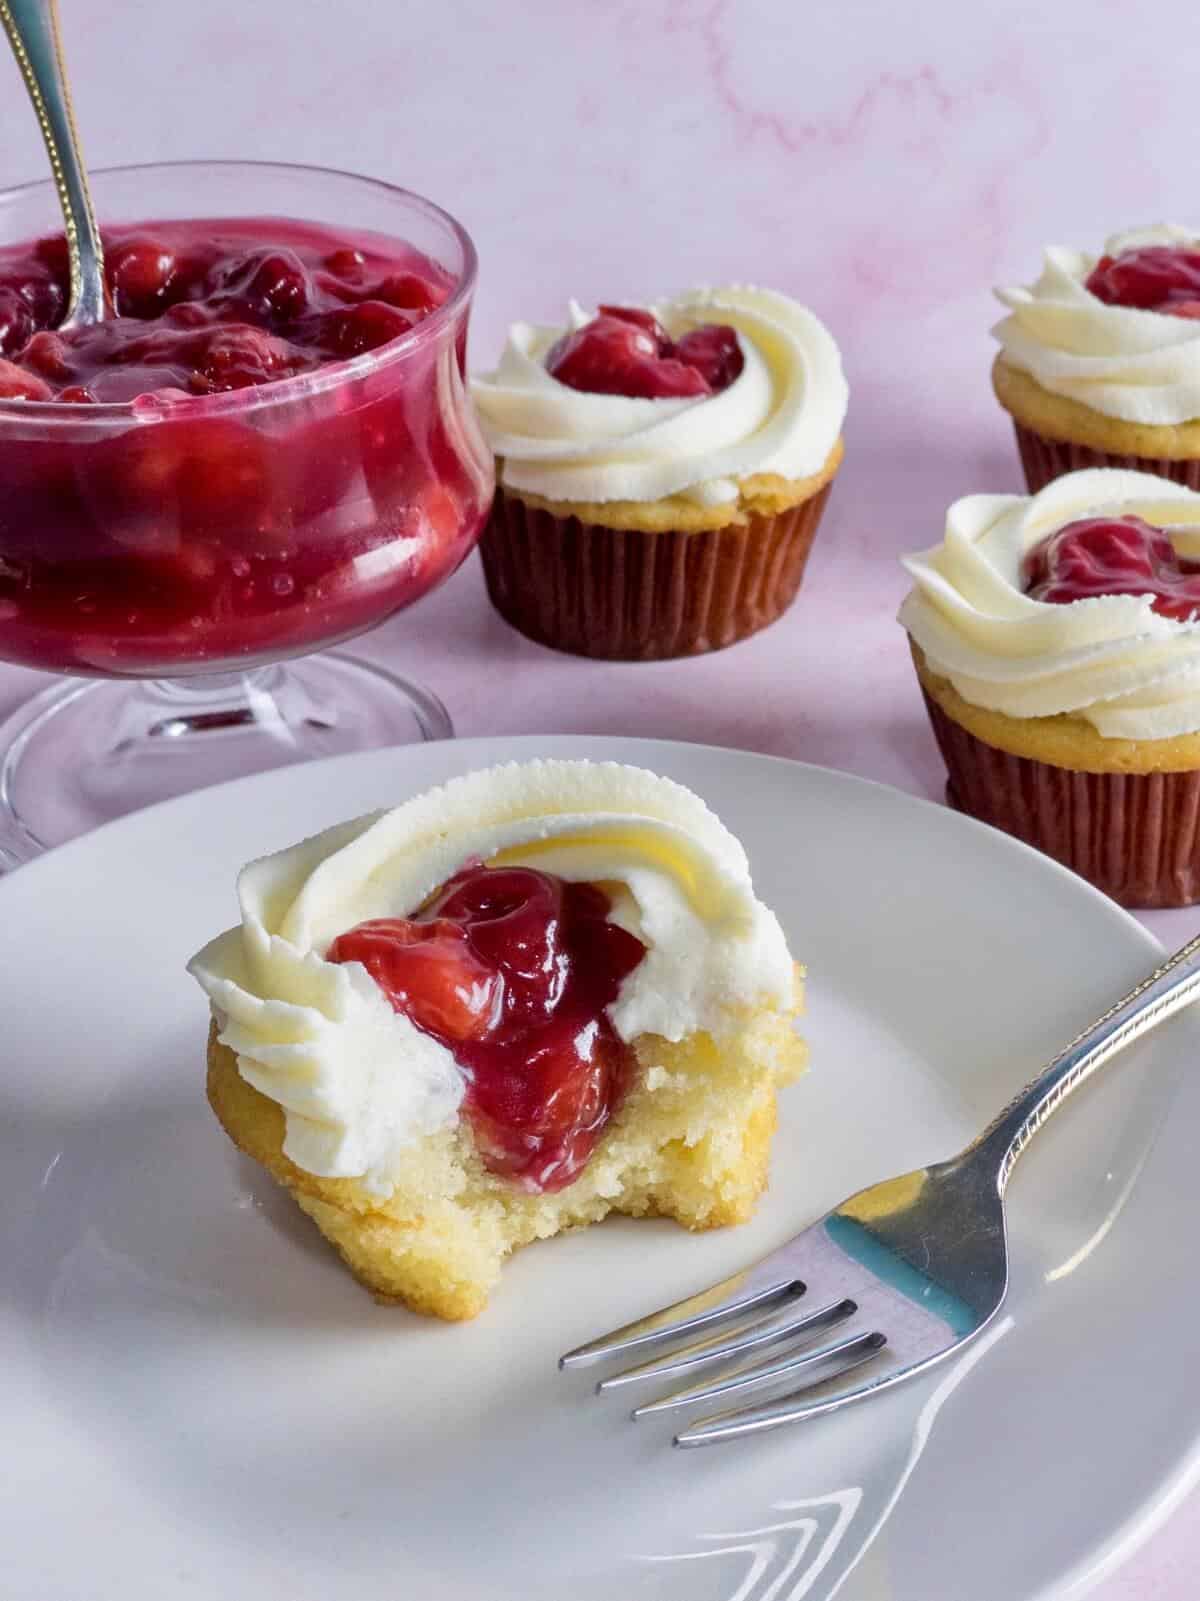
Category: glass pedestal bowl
<point>175,554</point>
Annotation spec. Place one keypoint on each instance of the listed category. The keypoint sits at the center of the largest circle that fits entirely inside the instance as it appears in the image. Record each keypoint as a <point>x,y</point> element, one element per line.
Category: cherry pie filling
<point>513,971</point>
<point>176,535</point>
<point>626,351</point>
<point>1162,278</point>
<point>1114,556</point>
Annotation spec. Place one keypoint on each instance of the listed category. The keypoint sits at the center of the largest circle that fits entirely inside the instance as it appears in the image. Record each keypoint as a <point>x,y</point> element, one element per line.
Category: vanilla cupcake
<point>1056,638</point>
<point>660,473</point>
<point>1099,362</point>
<point>521,1001</point>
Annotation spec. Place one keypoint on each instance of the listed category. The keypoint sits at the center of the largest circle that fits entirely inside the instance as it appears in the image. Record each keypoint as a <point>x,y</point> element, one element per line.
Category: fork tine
<point>710,1309</point>
<point>790,1408</point>
<point>741,1376</point>
<point>770,1331</point>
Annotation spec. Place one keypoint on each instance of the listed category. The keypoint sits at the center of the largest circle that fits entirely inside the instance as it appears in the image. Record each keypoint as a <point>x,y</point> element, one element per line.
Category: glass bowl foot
<point>88,750</point>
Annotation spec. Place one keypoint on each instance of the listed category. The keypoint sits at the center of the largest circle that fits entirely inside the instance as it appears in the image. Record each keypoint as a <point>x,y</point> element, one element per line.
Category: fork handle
<point>1169,988</point>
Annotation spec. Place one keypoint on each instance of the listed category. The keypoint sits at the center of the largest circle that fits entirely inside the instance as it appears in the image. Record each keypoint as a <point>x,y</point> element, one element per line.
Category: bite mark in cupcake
<point>521,1001</point>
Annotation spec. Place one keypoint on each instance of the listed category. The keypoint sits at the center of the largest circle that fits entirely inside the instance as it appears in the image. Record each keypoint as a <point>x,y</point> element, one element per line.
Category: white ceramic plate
<point>199,1402</point>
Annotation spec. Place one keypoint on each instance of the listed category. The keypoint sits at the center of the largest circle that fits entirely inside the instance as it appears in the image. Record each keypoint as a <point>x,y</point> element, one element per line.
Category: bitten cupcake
<point>1099,364</point>
<point>661,473</point>
<point>1056,638</point>
<point>507,1007</point>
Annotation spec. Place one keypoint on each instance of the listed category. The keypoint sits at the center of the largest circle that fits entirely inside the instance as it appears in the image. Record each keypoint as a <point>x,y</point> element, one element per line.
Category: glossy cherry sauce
<point>513,970</point>
<point>624,350</point>
<point>179,535</point>
<point>1162,278</point>
<point>1114,556</point>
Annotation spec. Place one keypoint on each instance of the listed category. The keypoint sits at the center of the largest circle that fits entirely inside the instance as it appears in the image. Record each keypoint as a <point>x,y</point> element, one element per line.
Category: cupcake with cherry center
<point>661,471</point>
<point>1099,362</point>
<point>510,1006</point>
<point>1056,638</point>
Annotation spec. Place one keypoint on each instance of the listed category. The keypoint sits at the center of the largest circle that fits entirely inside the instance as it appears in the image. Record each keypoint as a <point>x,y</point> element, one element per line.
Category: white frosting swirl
<point>782,414</point>
<point>1136,366</point>
<point>357,1080</point>
<point>1109,659</point>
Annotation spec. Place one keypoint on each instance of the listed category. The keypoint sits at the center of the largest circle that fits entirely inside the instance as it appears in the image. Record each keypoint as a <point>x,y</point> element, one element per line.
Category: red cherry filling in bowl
<point>626,351</point>
<point>513,971</point>
<point>159,523</point>
<point>208,306</point>
<point>1114,556</point>
<point>1162,278</point>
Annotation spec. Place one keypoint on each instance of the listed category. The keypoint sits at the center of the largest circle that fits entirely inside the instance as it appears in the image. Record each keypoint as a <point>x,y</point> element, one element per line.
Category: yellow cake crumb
<point>689,1141</point>
<point>1057,417</point>
<point>1062,740</point>
<point>761,495</point>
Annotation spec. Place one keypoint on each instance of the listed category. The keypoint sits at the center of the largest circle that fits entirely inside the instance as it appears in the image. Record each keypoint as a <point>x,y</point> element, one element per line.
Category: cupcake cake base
<point>691,1142</point>
<point>1056,436</point>
<point>1132,830</point>
<point>573,578</point>
<point>1043,460</point>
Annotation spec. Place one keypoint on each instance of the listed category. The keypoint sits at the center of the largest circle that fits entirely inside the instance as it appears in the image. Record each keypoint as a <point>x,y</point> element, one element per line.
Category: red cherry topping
<point>1114,556</point>
<point>365,327</point>
<point>1162,278</point>
<point>139,272</point>
<point>303,299</point>
<point>17,384</point>
<point>513,971</point>
<point>17,321</point>
<point>208,537</point>
<point>640,318</point>
<point>625,350</point>
<point>236,356</point>
<point>345,262</point>
<point>427,970</point>
<point>270,283</point>
<point>410,292</point>
<point>46,354</point>
<point>714,352</point>
<point>51,252</point>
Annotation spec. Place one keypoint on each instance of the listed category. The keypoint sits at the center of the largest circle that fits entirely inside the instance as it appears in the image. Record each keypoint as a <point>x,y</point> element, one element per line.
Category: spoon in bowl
<point>33,32</point>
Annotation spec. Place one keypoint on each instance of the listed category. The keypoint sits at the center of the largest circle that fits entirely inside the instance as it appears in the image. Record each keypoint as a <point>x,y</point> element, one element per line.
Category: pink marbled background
<point>887,164</point>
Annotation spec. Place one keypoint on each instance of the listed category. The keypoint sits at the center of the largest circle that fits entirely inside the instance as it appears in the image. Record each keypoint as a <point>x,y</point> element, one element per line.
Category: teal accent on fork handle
<point>857,1241</point>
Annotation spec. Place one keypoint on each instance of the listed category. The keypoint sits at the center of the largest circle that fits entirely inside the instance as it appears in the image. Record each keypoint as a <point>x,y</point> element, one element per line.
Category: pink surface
<point>885,164</point>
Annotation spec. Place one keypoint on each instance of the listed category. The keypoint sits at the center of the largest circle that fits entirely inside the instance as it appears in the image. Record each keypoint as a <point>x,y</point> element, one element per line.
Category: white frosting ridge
<point>357,1080</point>
<point>1137,366</point>
<point>1111,660</point>
<point>782,414</point>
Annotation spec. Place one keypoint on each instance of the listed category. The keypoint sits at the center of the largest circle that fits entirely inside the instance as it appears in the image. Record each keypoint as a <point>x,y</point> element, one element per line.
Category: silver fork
<point>895,1278</point>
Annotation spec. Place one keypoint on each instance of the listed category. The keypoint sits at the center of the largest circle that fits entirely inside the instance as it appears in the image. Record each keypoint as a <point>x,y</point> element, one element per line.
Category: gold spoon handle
<point>33,32</point>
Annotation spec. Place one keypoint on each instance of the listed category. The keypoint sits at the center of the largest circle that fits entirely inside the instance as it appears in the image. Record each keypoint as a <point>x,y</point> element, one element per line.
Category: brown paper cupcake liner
<point>1044,459</point>
<point>635,596</point>
<point>1136,836</point>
